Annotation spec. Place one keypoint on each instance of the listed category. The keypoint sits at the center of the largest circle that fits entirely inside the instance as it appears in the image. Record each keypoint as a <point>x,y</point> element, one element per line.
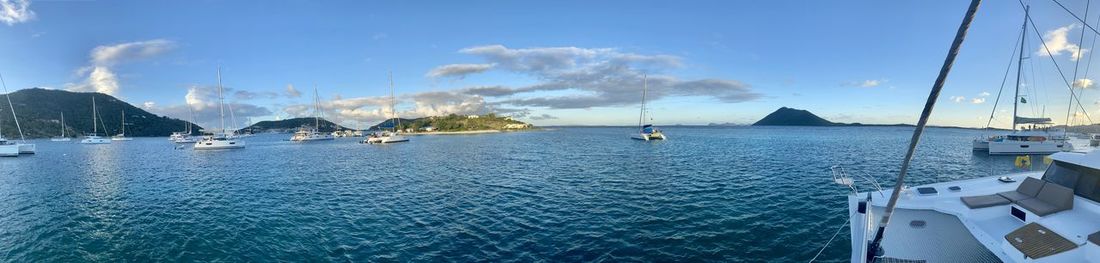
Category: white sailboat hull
<point>9,150</point>
<point>60,139</point>
<point>312,137</point>
<point>218,145</point>
<point>386,139</point>
<point>95,140</point>
<point>26,148</point>
<point>980,144</point>
<point>122,139</point>
<point>1028,147</point>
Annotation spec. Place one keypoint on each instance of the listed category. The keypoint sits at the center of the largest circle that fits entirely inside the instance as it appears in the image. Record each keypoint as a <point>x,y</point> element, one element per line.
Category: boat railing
<point>841,177</point>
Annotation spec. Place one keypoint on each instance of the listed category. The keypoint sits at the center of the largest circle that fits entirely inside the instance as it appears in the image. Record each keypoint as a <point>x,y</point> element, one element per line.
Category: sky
<point>555,62</point>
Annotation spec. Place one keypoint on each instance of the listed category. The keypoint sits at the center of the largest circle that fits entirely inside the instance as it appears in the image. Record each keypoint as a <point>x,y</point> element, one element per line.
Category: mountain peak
<point>792,117</point>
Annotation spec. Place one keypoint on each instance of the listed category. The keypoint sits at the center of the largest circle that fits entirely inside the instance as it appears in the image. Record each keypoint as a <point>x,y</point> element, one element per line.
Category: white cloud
<point>291,92</point>
<point>957,99</point>
<point>1082,83</point>
<point>984,94</point>
<point>458,71</point>
<point>15,11</point>
<point>870,83</point>
<point>100,76</point>
<point>1057,41</point>
<point>149,105</point>
<point>977,100</point>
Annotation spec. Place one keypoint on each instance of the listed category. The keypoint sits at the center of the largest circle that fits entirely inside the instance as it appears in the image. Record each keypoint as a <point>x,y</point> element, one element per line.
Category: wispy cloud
<point>977,100</point>
<point>458,71</point>
<point>870,83</point>
<point>1058,41</point>
<point>543,116</point>
<point>291,92</point>
<point>101,78</point>
<point>1082,83</point>
<point>957,99</point>
<point>15,11</point>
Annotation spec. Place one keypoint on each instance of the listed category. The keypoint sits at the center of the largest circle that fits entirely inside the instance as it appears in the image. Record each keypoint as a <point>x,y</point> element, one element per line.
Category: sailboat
<point>94,138</point>
<point>394,134</point>
<point>1038,136</point>
<point>23,146</point>
<point>7,148</point>
<point>122,135</point>
<point>1039,216</point>
<point>220,139</point>
<point>306,133</point>
<point>646,131</point>
<point>63,138</point>
<point>184,137</point>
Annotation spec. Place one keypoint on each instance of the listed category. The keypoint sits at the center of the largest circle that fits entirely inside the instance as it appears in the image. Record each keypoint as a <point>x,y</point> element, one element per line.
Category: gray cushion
<point>1015,196</point>
<point>1038,207</point>
<point>1030,186</point>
<point>983,201</point>
<point>1057,195</point>
<point>1052,198</point>
<point>1095,238</point>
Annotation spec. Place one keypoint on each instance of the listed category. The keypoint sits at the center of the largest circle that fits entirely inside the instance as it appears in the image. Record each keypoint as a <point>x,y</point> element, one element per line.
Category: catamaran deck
<point>952,232</point>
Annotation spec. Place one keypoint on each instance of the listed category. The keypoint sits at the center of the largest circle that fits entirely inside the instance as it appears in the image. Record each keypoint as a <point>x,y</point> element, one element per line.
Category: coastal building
<point>472,116</point>
<point>516,126</point>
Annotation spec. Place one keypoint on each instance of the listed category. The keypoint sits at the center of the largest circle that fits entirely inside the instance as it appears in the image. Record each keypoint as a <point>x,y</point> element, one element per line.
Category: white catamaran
<point>1051,216</point>
<point>94,138</point>
<point>221,139</point>
<point>63,138</point>
<point>1038,136</point>
<point>306,133</point>
<point>646,131</point>
<point>22,146</point>
<point>184,136</point>
<point>393,135</point>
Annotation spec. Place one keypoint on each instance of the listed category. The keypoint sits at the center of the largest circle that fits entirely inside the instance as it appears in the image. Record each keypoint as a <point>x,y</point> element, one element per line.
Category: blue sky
<point>550,63</point>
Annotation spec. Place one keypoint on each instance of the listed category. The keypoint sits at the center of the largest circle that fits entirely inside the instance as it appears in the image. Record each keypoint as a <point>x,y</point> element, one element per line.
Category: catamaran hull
<point>649,137</point>
<point>1028,147</point>
<point>26,148</point>
<point>312,138</point>
<point>218,145</point>
<point>60,139</point>
<point>122,139</point>
<point>981,145</point>
<point>10,150</point>
<point>95,141</point>
<point>386,139</point>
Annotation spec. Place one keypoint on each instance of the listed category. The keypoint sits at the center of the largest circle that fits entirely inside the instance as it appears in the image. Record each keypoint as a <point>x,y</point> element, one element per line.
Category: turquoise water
<point>568,194</point>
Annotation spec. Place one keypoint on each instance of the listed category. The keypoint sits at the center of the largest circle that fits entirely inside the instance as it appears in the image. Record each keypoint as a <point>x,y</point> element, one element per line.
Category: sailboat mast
<point>1019,64</point>
<point>16,119</point>
<point>393,104</point>
<point>191,114</point>
<point>95,129</point>
<point>62,124</point>
<point>221,107</point>
<point>641,115</point>
<point>123,123</point>
<point>317,108</point>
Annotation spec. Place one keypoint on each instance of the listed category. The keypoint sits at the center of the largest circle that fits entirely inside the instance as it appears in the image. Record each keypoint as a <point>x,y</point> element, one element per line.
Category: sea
<point>730,194</point>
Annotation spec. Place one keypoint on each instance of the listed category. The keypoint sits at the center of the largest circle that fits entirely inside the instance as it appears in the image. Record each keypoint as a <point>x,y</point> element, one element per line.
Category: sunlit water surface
<point>568,194</point>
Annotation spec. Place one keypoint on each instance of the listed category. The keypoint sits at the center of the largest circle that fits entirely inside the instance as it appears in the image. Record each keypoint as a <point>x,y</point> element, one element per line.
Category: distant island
<point>39,111</point>
<point>792,117</point>
<point>290,125</point>
<point>454,123</point>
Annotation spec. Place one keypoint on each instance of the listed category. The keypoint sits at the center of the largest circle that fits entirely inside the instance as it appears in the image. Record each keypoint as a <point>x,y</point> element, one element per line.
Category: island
<point>792,117</point>
<point>39,111</point>
<point>454,124</point>
<point>291,125</point>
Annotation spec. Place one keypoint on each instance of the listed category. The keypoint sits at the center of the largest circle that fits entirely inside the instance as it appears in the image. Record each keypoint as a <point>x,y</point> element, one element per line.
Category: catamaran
<point>184,137</point>
<point>7,148</point>
<point>1038,136</point>
<point>122,135</point>
<point>306,133</point>
<point>94,138</point>
<point>393,135</point>
<point>219,139</point>
<point>22,145</point>
<point>1046,216</point>
<point>63,138</point>
<point>646,131</point>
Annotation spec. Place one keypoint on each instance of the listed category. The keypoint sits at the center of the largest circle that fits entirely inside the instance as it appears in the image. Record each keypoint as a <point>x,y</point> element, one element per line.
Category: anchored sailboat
<point>1037,136</point>
<point>221,139</point>
<point>122,135</point>
<point>94,138</point>
<point>646,131</point>
<point>306,133</point>
<point>393,135</point>
<point>23,146</point>
<point>63,138</point>
<point>184,137</point>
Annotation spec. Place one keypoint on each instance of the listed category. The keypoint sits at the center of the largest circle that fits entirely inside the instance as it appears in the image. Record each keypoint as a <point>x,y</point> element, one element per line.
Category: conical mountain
<point>792,117</point>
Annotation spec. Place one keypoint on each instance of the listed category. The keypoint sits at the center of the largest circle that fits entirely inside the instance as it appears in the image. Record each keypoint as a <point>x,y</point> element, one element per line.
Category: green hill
<point>454,122</point>
<point>294,124</point>
<point>792,117</point>
<point>39,112</point>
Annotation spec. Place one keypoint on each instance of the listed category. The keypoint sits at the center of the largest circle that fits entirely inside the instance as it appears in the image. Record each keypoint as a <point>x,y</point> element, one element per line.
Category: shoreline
<point>455,132</point>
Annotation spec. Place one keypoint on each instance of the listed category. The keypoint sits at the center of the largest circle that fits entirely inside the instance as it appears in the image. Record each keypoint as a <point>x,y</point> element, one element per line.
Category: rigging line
<point>1003,81</point>
<point>8,96</point>
<point>1072,95</point>
<point>1088,65</point>
<point>831,239</point>
<point>1074,16</point>
<point>1076,66</point>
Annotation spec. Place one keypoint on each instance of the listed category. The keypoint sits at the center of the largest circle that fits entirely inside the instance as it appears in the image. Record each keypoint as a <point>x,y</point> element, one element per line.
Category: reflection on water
<point>570,194</point>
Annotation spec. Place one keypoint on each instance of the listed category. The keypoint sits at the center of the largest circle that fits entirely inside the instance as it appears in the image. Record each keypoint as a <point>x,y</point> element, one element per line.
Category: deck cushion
<point>1015,196</point>
<point>982,201</point>
<point>1052,199</point>
<point>1030,186</point>
<point>1095,238</point>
